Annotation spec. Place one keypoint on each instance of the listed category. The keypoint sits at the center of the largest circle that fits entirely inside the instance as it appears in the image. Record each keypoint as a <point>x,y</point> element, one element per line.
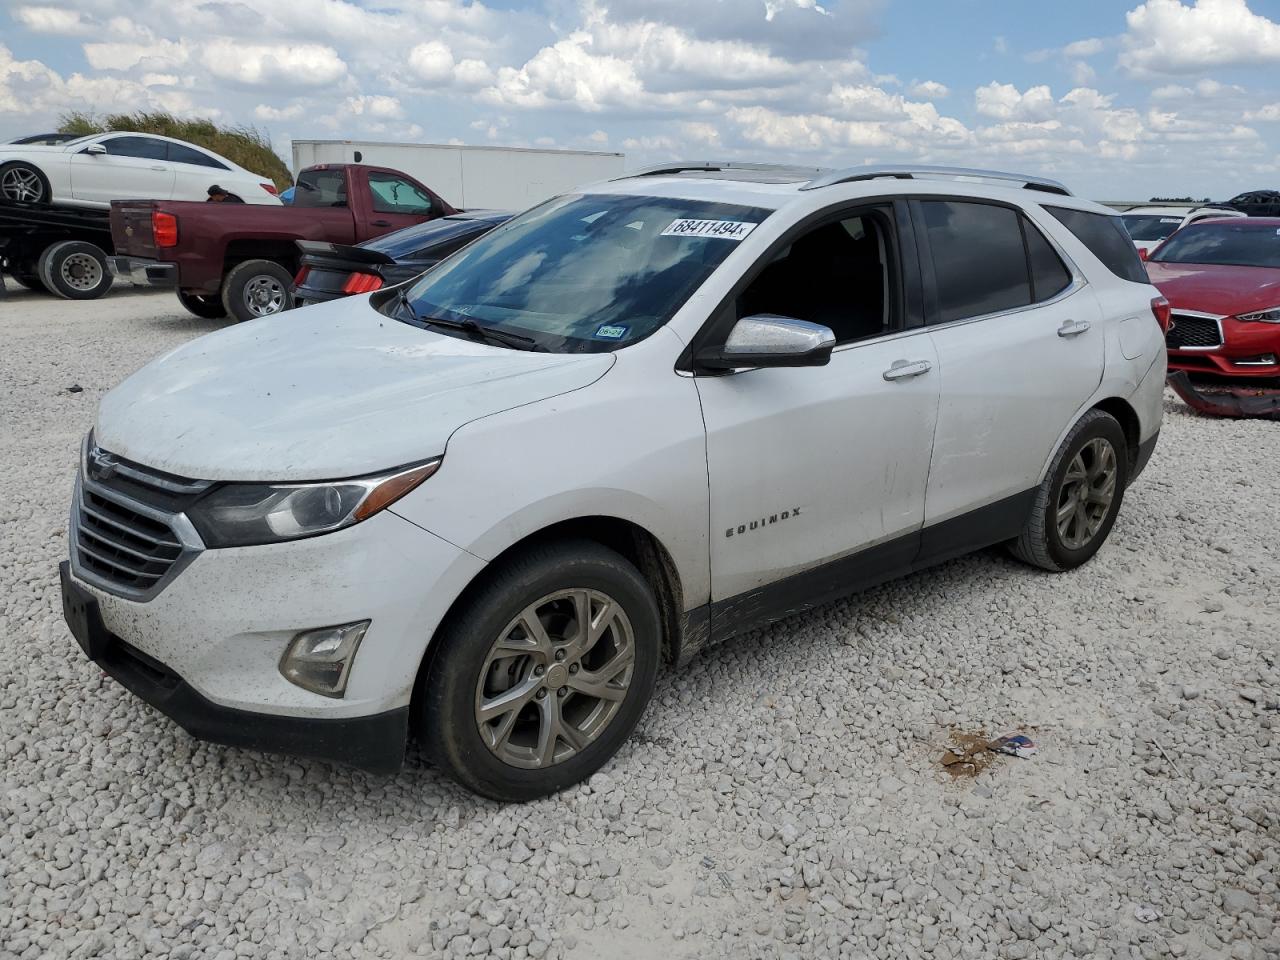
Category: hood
<point>1216,289</point>
<point>326,392</point>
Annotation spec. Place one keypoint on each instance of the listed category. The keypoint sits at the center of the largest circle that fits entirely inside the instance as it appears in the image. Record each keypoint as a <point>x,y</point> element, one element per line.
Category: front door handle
<point>906,369</point>
<point>379,223</point>
<point>1073,328</point>
<point>160,169</point>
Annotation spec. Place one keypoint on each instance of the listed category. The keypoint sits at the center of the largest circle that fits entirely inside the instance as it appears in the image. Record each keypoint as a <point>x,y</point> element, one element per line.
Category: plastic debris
<point>1015,745</point>
<point>1145,913</point>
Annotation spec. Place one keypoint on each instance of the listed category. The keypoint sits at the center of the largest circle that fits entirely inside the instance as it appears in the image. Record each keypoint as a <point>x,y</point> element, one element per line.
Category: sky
<point>1119,99</point>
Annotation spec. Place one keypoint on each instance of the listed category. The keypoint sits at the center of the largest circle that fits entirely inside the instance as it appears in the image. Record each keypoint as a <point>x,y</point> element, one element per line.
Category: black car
<point>329,271</point>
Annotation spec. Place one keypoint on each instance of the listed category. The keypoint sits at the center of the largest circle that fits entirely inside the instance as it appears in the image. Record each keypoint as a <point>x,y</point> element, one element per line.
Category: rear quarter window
<point>1106,238</point>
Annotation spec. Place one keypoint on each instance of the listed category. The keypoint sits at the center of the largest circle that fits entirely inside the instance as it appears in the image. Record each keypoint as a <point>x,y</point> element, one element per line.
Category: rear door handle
<point>906,369</point>
<point>1073,328</point>
<point>379,223</point>
<point>161,169</point>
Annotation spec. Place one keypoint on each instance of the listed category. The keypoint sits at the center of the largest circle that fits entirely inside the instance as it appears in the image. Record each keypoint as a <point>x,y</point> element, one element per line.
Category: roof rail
<point>711,166</point>
<point>875,172</point>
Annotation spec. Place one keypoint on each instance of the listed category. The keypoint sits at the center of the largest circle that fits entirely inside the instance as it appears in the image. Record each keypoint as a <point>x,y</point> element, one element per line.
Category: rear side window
<point>1049,275</point>
<point>1106,239</point>
<point>979,263</point>
<point>180,154</point>
<point>321,188</point>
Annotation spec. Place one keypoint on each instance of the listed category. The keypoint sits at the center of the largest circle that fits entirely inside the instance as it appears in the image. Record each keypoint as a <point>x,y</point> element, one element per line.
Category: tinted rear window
<point>1106,238</point>
<point>321,188</point>
<point>979,264</point>
<point>424,238</point>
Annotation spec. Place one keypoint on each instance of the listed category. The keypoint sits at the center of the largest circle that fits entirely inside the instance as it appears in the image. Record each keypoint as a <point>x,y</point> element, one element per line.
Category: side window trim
<point>718,323</point>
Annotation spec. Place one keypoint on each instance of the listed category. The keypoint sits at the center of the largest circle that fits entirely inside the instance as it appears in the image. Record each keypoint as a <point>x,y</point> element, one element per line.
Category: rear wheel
<point>207,307</point>
<point>21,182</point>
<point>543,673</point>
<point>1077,503</point>
<point>257,288</point>
<point>75,270</point>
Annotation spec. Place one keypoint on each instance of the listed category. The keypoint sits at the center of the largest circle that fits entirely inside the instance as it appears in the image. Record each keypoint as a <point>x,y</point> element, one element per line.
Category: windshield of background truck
<point>1146,226</point>
<point>586,273</point>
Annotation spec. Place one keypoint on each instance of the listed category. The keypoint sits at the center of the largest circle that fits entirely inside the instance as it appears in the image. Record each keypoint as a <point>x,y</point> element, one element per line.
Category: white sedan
<point>94,170</point>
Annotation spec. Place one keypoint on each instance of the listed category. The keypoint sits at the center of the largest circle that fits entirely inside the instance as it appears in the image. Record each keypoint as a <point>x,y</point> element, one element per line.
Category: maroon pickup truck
<point>240,259</point>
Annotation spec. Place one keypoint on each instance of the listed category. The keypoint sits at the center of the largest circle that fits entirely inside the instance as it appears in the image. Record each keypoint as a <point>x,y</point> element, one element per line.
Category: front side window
<point>979,264</point>
<point>583,273</point>
<point>839,275</point>
<point>1106,238</point>
<point>320,188</point>
<point>143,148</point>
<point>1236,243</point>
<point>393,194</point>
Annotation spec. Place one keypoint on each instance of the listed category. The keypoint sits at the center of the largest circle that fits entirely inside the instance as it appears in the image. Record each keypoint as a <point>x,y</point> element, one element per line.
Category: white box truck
<point>506,178</point>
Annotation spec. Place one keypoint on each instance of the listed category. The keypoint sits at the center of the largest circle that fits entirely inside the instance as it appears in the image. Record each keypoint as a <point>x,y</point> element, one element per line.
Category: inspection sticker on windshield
<point>611,331</point>
<point>1170,219</point>
<point>720,229</point>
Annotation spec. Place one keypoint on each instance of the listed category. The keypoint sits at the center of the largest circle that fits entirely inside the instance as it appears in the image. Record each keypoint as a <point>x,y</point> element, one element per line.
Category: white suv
<point>633,421</point>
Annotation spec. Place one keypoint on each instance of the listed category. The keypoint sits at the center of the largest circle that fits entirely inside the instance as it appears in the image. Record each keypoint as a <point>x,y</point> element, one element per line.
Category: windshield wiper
<point>476,331</point>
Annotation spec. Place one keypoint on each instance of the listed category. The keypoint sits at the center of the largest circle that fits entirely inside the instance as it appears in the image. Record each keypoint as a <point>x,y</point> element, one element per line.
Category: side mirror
<point>765,340</point>
<point>95,149</point>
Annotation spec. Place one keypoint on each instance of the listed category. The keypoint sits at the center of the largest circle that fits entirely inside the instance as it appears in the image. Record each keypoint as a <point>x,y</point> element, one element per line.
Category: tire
<point>1045,542</point>
<point>257,288</point>
<point>74,270</point>
<point>22,182</point>
<point>467,668</point>
<point>205,307</point>
<point>31,282</point>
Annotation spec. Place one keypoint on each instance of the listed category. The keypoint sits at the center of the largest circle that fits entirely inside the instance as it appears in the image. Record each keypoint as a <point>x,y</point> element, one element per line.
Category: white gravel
<point>782,798</point>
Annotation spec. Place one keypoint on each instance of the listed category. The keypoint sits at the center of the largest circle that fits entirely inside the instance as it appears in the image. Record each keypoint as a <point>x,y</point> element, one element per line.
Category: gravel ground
<point>782,798</point>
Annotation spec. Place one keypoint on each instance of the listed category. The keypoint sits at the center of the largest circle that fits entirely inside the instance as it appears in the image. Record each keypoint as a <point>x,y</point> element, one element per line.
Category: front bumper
<point>1243,352</point>
<point>145,273</point>
<point>374,743</point>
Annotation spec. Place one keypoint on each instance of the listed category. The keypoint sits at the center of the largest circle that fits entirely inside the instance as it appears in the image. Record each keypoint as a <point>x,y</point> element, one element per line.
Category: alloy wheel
<point>555,678</point>
<point>21,185</point>
<point>1086,494</point>
<point>264,296</point>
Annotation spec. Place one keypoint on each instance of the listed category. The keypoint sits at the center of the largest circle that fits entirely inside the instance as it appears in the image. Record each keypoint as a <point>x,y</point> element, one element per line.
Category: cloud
<point>1267,114</point>
<point>278,65</point>
<point>55,20</point>
<point>157,55</point>
<point>432,61</point>
<point>1005,102</point>
<point>382,107</point>
<point>1084,48</point>
<point>1164,36</point>
<point>929,90</point>
<point>29,88</point>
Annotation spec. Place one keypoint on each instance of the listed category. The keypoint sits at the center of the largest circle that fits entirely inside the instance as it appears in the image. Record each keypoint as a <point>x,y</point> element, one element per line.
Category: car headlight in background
<point>1271,315</point>
<point>248,514</point>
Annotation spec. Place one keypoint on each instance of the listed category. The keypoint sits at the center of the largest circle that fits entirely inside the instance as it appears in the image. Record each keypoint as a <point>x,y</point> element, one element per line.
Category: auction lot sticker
<point>720,229</point>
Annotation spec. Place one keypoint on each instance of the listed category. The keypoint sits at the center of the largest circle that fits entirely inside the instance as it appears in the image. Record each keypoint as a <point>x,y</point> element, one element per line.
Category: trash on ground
<point>75,388</point>
<point>1145,913</point>
<point>1016,745</point>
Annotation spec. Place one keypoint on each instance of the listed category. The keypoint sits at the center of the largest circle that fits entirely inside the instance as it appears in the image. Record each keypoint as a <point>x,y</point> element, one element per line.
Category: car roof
<point>775,187</point>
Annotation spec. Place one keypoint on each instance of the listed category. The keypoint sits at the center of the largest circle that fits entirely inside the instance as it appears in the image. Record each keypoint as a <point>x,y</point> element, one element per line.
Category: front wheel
<point>543,673</point>
<point>1079,498</point>
<point>75,270</point>
<point>257,288</point>
<point>205,307</point>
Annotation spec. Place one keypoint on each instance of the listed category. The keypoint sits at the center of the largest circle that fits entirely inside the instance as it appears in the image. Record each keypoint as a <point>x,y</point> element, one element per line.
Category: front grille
<point>127,536</point>
<point>1190,332</point>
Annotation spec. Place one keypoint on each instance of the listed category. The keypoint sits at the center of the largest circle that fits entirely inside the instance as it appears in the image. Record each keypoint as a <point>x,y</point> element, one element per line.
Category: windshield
<point>585,273</point>
<point>1148,226</point>
<point>1236,243</point>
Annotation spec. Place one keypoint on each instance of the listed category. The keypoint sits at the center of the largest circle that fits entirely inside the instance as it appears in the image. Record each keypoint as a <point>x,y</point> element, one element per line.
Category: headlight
<point>246,514</point>
<point>1262,316</point>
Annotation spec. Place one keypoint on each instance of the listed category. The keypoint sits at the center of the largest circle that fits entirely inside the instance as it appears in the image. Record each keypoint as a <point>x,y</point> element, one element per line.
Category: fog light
<point>1261,360</point>
<point>320,660</point>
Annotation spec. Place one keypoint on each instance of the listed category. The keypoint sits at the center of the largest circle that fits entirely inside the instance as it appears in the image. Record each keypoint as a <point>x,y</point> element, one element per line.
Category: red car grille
<point>1193,332</point>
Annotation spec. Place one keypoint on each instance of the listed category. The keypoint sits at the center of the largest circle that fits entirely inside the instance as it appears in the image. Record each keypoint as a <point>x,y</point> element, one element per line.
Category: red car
<point>1222,278</point>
